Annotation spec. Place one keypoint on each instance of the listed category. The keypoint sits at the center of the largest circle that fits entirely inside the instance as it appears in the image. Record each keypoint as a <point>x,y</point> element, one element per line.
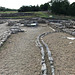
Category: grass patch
<point>42,14</point>
<point>35,14</point>
<point>62,17</point>
<point>1,12</point>
<point>19,17</point>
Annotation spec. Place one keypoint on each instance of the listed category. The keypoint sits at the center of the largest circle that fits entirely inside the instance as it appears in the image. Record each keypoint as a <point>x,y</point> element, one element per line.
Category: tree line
<point>55,6</point>
<point>63,7</point>
<point>43,7</point>
<point>59,7</point>
<point>6,9</point>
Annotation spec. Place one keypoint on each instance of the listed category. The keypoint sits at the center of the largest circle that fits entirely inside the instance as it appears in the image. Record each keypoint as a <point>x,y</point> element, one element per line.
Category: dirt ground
<point>3,28</point>
<point>63,52</point>
<point>20,55</point>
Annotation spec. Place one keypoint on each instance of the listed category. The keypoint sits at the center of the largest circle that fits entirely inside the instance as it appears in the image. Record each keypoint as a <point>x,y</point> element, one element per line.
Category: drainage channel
<point>47,60</point>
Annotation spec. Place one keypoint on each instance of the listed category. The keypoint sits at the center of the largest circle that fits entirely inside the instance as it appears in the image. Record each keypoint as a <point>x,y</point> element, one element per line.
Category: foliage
<point>72,9</point>
<point>43,7</point>
<point>41,14</point>
<point>7,12</point>
<point>28,8</point>
<point>60,7</point>
<point>63,7</point>
<point>6,9</point>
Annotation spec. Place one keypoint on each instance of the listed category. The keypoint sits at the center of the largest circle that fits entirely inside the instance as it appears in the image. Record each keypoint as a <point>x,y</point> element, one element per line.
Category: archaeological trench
<point>37,46</point>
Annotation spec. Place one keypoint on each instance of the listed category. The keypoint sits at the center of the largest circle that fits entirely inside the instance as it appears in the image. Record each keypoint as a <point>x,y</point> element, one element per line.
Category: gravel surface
<point>3,28</point>
<point>20,54</point>
<point>63,52</point>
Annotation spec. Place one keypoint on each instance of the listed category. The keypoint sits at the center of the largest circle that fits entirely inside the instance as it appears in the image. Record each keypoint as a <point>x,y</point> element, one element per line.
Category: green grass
<point>36,14</point>
<point>47,15</point>
<point>8,11</point>
<point>42,14</point>
<point>20,17</point>
<point>62,17</point>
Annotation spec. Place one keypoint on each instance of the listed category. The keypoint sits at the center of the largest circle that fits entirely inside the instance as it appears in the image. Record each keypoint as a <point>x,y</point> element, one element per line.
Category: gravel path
<point>20,55</point>
<point>63,52</point>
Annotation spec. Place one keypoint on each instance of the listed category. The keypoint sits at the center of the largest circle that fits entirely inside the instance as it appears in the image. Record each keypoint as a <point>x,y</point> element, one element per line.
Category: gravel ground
<point>63,52</point>
<point>20,55</point>
<point>3,28</point>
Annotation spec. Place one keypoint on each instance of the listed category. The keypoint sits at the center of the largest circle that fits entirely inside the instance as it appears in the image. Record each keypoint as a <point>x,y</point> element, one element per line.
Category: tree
<point>60,6</point>
<point>45,7</point>
<point>56,7</point>
<point>2,9</point>
<point>35,8</point>
<point>29,8</point>
<point>24,9</point>
<point>72,9</point>
<point>64,7</point>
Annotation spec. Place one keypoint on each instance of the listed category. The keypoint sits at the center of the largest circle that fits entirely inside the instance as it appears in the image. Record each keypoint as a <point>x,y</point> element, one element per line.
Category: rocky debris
<point>49,54</point>
<point>70,24</point>
<point>2,21</point>
<point>67,26</point>
<point>15,29</point>
<point>44,68</point>
<point>15,23</point>
<point>70,31</point>
<point>4,37</point>
<point>11,23</point>
<point>40,20</point>
<point>56,20</point>
<point>23,21</point>
<point>36,18</point>
<point>32,23</point>
<point>43,63</point>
